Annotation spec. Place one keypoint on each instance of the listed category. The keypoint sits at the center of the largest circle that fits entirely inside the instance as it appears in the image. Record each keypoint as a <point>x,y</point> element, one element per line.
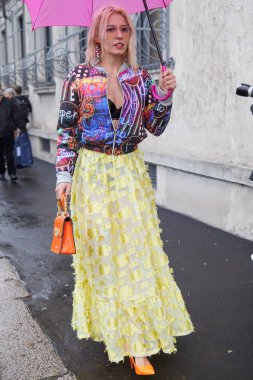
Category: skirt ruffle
<point>125,294</point>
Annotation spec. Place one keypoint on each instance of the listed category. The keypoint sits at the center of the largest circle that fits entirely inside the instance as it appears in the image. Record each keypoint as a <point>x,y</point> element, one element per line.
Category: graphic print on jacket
<point>85,119</point>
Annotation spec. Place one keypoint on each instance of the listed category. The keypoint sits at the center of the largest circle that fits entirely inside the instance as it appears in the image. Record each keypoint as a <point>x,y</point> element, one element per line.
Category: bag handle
<point>62,205</point>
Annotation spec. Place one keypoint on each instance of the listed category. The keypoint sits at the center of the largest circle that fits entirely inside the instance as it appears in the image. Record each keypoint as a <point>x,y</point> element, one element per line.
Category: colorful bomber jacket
<point>85,119</point>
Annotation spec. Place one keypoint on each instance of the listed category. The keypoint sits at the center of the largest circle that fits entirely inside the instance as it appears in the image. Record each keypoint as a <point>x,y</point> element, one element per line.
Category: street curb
<point>26,352</point>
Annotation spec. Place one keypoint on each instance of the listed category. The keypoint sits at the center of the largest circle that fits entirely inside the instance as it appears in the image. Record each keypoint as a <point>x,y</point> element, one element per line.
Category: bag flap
<point>58,226</point>
<point>58,233</point>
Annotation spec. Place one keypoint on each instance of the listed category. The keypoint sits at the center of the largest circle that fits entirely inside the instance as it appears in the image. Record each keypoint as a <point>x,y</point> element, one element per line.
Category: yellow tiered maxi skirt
<point>125,294</point>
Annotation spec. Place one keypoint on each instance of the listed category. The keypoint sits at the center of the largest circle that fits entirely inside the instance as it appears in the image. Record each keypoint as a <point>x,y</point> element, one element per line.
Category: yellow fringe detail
<point>125,294</point>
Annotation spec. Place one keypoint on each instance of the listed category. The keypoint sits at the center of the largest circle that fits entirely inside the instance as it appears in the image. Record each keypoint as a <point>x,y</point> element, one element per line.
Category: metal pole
<point>5,32</point>
<point>163,63</point>
<point>14,55</point>
<point>4,9</point>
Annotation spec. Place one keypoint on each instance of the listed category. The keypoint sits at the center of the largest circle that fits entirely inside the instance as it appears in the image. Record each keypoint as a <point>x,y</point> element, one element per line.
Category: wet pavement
<point>212,268</point>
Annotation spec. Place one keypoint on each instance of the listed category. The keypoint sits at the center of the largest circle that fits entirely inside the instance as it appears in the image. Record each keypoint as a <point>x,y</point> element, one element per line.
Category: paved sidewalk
<point>25,351</point>
<point>213,269</point>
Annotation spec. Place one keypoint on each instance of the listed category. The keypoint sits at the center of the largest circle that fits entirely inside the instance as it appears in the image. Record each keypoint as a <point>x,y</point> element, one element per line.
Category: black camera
<point>246,90</point>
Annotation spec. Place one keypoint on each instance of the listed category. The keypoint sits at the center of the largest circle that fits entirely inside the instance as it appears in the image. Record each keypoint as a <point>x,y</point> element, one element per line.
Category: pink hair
<point>98,30</point>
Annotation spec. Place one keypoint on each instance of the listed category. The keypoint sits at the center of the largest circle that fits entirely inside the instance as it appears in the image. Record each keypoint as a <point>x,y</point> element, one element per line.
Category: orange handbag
<point>63,238</point>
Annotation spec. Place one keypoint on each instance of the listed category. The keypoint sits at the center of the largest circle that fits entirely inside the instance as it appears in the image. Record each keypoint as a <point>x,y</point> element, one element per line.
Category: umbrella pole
<point>163,63</point>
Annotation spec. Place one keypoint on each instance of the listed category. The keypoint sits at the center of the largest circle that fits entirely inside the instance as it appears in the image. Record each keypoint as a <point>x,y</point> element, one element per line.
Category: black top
<point>115,112</point>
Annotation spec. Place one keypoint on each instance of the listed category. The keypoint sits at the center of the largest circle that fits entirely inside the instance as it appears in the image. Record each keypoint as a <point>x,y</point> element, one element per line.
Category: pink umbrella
<point>79,12</point>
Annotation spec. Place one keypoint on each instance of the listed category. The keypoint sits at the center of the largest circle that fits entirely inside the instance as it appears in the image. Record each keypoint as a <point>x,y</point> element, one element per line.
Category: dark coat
<point>24,106</point>
<point>10,117</point>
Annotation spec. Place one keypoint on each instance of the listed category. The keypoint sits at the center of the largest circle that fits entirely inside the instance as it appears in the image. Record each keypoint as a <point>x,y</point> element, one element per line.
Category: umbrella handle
<point>153,89</point>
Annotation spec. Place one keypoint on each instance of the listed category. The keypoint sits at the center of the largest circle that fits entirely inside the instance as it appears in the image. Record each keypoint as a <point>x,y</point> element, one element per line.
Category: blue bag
<point>23,151</point>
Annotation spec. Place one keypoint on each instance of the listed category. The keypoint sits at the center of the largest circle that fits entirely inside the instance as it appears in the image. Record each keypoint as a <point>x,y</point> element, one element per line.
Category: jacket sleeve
<point>67,130</point>
<point>156,114</point>
<point>17,116</point>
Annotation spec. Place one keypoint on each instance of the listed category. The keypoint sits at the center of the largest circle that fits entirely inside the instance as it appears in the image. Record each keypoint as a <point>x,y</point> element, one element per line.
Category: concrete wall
<point>212,44</point>
<point>205,155</point>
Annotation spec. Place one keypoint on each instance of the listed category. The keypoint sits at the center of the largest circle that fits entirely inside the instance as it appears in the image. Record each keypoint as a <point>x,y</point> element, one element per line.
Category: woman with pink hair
<point>125,294</point>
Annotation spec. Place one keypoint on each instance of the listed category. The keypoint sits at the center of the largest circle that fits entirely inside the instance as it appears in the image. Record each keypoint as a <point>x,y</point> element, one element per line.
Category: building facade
<point>201,165</point>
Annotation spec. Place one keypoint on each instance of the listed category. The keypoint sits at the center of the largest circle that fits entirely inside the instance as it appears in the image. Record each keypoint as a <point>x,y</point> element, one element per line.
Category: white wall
<point>211,129</point>
<point>212,43</point>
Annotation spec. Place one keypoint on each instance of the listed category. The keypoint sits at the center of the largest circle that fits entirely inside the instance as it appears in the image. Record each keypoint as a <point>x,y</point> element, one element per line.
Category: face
<point>9,95</point>
<point>117,36</point>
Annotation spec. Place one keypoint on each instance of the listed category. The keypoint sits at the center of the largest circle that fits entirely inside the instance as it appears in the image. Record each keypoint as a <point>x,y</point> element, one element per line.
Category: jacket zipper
<point>114,140</point>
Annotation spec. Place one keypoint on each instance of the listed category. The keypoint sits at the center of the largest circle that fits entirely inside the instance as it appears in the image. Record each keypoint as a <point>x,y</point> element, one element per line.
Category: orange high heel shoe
<point>141,369</point>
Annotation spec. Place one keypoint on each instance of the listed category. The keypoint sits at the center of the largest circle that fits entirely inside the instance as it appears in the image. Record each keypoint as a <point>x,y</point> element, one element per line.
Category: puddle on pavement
<point>6,247</point>
<point>21,220</point>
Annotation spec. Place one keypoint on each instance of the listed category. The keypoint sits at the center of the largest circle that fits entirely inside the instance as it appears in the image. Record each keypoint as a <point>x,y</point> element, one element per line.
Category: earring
<point>97,52</point>
<point>125,59</point>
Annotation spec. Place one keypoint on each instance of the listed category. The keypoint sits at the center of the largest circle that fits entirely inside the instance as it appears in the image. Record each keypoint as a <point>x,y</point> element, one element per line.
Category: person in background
<point>24,104</point>
<point>10,93</point>
<point>10,121</point>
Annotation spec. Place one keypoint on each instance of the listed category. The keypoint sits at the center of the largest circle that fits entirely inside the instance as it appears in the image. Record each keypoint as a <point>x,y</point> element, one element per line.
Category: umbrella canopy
<point>79,12</point>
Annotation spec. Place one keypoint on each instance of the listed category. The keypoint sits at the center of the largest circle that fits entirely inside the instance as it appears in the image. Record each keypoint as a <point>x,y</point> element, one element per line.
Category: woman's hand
<point>63,187</point>
<point>167,80</point>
